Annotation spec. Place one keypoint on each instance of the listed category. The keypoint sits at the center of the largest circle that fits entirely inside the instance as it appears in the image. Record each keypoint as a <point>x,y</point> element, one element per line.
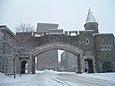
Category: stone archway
<point>72,49</point>
<point>24,67</point>
<point>89,68</point>
<point>89,62</point>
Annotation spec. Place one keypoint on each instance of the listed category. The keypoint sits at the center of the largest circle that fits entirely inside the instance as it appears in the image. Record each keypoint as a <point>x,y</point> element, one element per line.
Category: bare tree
<point>22,35</point>
<point>24,27</point>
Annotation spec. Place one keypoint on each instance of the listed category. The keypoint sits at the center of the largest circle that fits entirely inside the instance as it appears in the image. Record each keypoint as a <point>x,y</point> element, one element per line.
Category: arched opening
<point>64,47</point>
<point>69,64</point>
<point>24,66</point>
<point>89,65</point>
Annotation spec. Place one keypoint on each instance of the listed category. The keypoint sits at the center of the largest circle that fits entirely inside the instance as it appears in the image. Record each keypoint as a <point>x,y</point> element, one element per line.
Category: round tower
<point>91,23</point>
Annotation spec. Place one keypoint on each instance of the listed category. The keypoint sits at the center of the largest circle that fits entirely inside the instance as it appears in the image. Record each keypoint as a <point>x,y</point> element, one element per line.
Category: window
<point>102,47</point>
<point>109,47</point>
<point>87,41</point>
<point>105,47</point>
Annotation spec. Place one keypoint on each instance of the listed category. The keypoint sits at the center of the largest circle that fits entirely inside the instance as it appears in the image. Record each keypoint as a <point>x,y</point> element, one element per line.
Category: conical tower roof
<point>90,17</point>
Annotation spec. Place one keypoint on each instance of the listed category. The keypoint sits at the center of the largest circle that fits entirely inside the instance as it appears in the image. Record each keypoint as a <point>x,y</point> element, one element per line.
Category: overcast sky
<point>69,14</point>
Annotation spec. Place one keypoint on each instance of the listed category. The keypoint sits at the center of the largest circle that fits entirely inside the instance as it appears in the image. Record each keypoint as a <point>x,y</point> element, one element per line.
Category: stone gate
<point>89,46</point>
<point>66,42</point>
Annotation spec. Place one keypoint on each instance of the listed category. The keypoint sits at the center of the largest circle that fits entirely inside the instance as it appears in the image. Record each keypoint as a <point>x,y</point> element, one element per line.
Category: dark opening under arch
<point>23,67</point>
<point>89,66</point>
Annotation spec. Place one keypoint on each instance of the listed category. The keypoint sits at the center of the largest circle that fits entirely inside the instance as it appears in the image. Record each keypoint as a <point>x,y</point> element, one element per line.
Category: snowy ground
<point>52,78</point>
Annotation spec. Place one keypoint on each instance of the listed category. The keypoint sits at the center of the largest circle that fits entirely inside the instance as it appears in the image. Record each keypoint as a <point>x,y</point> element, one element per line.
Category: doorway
<point>89,65</point>
<point>24,67</point>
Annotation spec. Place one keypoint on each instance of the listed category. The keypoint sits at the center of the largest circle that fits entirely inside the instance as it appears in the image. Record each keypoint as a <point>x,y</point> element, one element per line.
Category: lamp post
<point>14,62</point>
<point>14,66</point>
<point>20,69</point>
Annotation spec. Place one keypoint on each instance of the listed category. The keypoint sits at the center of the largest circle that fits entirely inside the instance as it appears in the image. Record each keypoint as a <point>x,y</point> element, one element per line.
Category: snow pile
<point>2,76</point>
<point>39,71</point>
<point>54,72</point>
<point>10,81</point>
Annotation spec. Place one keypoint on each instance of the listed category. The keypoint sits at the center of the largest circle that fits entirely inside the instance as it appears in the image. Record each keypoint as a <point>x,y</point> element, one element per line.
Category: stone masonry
<point>90,46</point>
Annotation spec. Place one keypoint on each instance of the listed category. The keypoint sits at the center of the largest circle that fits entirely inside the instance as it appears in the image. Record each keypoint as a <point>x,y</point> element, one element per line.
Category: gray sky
<point>69,14</point>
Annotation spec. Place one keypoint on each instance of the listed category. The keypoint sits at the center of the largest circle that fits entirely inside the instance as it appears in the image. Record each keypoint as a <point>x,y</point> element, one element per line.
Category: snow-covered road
<point>52,78</point>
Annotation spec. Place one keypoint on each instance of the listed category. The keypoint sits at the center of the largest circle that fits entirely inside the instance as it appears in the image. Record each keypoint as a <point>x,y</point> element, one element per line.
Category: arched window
<point>109,47</point>
<point>102,47</point>
<point>105,47</point>
<point>87,41</point>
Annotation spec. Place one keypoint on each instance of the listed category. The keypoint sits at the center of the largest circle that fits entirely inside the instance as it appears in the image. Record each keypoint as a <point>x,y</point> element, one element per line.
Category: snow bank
<point>54,72</point>
<point>3,76</point>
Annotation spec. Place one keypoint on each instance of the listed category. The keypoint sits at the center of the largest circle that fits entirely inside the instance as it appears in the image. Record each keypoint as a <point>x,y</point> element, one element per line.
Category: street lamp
<point>14,66</point>
<point>14,62</point>
<point>20,69</point>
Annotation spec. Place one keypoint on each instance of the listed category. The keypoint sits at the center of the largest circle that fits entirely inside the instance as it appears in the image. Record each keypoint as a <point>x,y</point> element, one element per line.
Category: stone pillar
<point>29,64</point>
<point>33,65</point>
<point>79,64</point>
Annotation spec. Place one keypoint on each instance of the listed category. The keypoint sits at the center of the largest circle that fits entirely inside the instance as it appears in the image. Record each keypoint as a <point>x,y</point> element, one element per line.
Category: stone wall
<point>98,47</point>
<point>104,52</point>
<point>9,44</point>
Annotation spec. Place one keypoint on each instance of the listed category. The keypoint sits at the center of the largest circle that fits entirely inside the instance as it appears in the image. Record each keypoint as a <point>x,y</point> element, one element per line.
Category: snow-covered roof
<point>98,34</point>
<point>86,30</point>
<point>4,27</point>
